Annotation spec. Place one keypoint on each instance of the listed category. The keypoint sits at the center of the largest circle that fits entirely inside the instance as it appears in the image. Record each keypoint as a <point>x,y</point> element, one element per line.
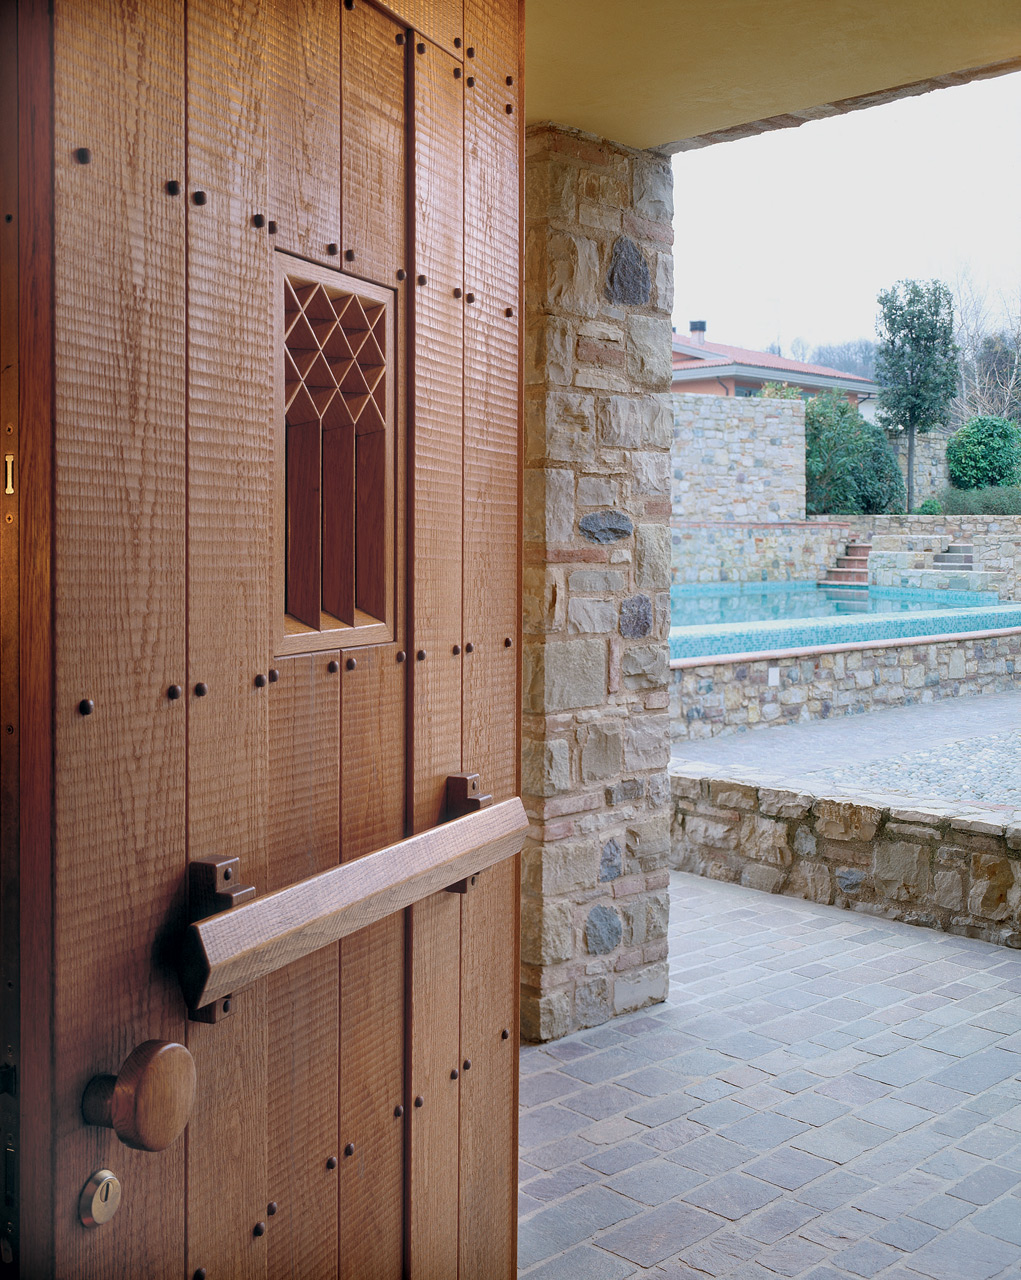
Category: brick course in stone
<point>946,865</point>
<point>596,580</point>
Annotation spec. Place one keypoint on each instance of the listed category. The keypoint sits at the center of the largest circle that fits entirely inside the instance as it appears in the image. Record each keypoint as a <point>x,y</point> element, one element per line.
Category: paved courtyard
<point>824,1095</point>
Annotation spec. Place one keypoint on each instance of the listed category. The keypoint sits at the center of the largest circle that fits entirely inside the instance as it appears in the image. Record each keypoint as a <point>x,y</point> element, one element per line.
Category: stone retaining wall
<point>941,865</point>
<point>738,458</point>
<point>754,551</point>
<point>728,697</point>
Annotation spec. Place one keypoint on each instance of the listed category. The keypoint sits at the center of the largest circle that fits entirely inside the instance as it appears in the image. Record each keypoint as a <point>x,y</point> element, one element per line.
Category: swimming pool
<point>752,617</point>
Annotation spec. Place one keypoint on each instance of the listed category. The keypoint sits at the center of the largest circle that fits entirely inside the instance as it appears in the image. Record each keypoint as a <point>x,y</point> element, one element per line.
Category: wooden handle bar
<point>226,952</point>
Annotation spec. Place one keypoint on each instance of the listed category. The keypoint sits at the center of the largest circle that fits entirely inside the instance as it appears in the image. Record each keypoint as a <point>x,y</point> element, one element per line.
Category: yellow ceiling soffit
<point>649,73</point>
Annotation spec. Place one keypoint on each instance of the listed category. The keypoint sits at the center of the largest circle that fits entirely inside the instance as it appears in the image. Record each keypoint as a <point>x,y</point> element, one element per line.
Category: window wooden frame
<point>336,506</point>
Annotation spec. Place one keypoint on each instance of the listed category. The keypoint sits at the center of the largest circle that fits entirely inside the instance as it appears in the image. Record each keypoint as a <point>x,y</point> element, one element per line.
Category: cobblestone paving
<point>980,768</point>
<point>823,1096</point>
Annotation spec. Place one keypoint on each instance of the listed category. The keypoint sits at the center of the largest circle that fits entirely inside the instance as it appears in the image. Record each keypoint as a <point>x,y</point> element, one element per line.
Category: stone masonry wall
<point>738,551</point>
<point>731,697</point>
<point>931,473</point>
<point>996,539</point>
<point>737,458</point>
<point>946,866</point>
<point>599,291</point>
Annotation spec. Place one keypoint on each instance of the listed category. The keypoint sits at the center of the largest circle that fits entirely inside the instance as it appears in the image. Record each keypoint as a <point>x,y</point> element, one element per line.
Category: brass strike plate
<point>100,1198</point>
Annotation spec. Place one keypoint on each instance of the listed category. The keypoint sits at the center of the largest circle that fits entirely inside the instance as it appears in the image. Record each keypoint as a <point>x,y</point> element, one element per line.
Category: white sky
<point>792,234</point>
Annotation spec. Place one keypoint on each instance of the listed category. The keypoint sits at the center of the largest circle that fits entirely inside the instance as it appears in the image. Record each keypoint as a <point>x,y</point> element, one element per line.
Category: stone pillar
<point>598,292</point>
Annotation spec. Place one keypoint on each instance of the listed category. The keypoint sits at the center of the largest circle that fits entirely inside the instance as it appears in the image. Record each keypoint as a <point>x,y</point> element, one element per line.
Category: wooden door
<point>265,540</point>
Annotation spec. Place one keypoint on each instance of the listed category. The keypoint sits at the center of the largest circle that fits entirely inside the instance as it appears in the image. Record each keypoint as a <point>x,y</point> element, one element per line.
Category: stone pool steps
<point>959,555</point>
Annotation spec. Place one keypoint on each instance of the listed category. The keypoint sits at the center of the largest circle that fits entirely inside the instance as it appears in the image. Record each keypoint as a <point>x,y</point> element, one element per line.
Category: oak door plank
<point>303,51</point>
<point>119,628</point>
<point>374,145</point>
<point>303,999</point>
<point>441,21</point>
<point>372,972</point>
<point>492,540</point>
<point>229,619</point>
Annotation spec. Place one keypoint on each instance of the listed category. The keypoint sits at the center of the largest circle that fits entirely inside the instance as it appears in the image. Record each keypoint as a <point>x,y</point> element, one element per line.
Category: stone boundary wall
<point>755,551</point>
<point>596,581</point>
<point>731,697</point>
<point>996,539</point>
<point>931,474</point>
<point>945,866</point>
<point>738,458</point>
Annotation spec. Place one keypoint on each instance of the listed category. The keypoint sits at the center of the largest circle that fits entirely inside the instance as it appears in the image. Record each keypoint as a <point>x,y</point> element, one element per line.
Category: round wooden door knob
<point>149,1102</point>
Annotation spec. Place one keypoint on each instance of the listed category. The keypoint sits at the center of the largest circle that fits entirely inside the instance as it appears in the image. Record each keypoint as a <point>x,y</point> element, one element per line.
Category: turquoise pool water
<point>755,616</point>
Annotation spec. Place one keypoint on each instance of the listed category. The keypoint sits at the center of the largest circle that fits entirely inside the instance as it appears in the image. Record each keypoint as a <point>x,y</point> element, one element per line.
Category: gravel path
<point>977,768</point>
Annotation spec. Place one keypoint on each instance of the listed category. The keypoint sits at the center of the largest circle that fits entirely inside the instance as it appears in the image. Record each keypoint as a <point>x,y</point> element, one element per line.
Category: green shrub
<point>779,391</point>
<point>930,507</point>
<point>850,468</point>
<point>991,501</point>
<point>983,453</point>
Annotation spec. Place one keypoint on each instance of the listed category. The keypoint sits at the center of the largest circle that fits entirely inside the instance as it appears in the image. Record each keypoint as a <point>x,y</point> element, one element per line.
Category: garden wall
<point>715,698</point>
<point>931,473</point>
<point>751,551</point>
<point>738,458</point>
<point>945,866</point>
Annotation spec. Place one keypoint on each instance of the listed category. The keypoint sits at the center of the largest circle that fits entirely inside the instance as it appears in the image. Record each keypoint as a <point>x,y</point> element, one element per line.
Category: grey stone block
<point>603,930</point>
<point>627,279</point>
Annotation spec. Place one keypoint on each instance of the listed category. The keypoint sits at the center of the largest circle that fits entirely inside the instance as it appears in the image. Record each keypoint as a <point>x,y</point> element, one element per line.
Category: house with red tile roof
<point>716,369</point>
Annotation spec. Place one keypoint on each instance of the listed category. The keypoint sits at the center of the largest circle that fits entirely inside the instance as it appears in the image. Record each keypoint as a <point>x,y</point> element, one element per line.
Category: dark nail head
<point>174,692</point>
<point>453,1074</point>
<point>261,681</point>
<point>422,280</point>
<point>173,188</point>
<point>470,82</point>
<point>456,650</point>
<point>83,155</point>
<point>398,1112</point>
<point>507,642</point>
<point>259,1229</point>
<point>199,197</point>
<point>401,274</point>
<point>349,255</point>
<point>420,48</point>
<point>333,666</point>
<point>401,655</point>
<point>271,1208</point>
<point>508,311</point>
<point>421,655</point>
<point>332,1162</point>
<point>201,690</point>
<point>272,228</point>
<point>258,219</point>
<point>457,73</point>
<point>86,706</point>
<point>351,664</point>
<point>274,675</point>
<point>469,297</point>
<point>332,249</point>
<point>420,1101</point>
<point>349,1150</point>
<point>505,1034</point>
<point>469,647</point>
<point>457,42</point>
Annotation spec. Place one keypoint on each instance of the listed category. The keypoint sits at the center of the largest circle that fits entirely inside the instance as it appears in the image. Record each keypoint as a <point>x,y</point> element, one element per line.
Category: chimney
<point>697,331</point>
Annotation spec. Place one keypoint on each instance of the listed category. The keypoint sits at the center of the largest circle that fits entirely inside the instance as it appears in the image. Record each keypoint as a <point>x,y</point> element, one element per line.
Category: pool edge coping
<point>847,646</point>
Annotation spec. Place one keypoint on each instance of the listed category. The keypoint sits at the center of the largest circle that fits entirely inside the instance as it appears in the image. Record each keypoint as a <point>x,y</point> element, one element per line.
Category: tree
<point>857,357</point>
<point>850,468</point>
<point>989,355</point>
<point>916,362</point>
